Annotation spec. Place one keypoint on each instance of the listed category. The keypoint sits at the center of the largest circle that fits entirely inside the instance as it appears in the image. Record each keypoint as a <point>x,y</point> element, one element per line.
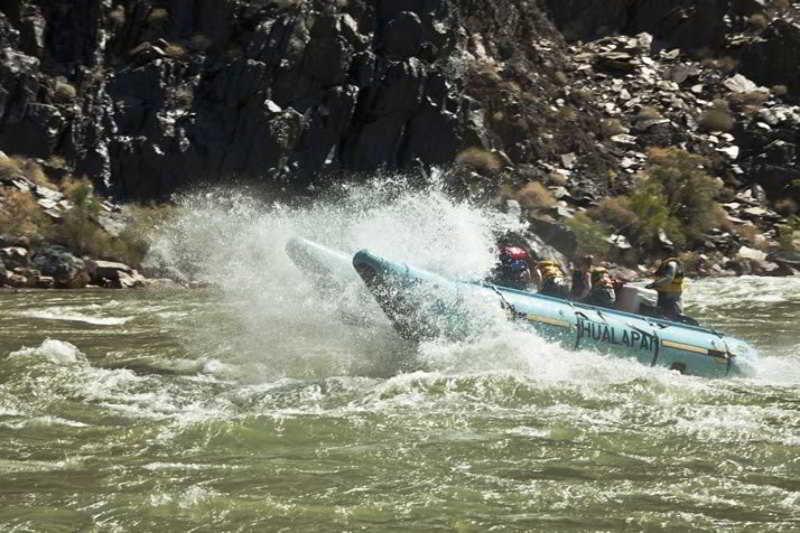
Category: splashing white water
<point>283,321</point>
<point>54,351</point>
<point>284,326</point>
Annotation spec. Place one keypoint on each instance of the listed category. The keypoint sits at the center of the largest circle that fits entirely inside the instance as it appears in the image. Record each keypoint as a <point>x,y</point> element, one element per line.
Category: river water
<point>263,404</point>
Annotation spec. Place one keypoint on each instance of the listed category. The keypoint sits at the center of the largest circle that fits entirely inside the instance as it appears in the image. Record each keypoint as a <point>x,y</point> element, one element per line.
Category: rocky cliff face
<point>148,96</point>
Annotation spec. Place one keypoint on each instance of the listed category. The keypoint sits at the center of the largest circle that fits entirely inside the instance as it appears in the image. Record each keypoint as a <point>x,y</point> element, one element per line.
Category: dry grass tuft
<point>616,212</point>
<point>787,207</point>
<point>158,15</point>
<point>64,92</point>
<point>21,216</point>
<point>717,118</point>
<point>649,113</point>
<point>612,126</point>
<point>19,166</point>
<point>534,195</point>
<point>10,167</point>
<point>758,21</point>
<point>175,50</point>
<point>479,160</point>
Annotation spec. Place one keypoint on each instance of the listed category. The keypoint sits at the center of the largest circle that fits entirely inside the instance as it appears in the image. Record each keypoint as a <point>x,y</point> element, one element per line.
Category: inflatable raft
<point>422,304</point>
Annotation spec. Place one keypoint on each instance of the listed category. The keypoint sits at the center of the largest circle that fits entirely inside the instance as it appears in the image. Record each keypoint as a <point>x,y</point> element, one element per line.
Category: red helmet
<point>513,253</point>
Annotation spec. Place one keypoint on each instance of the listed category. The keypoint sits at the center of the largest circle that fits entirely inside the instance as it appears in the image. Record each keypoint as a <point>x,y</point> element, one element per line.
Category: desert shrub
<point>534,195</point>
<point>80,192</point>
<point>649,113</point>
<point>184,96</point>
<point>649,205</point>
<point>134,241</point>
<point>759,21</point>
<point>616,212</point>
<point>175,50</point>
<point>57,161</point>
<point>786,207</point>
<point>34,172</point>
<point>20,215</point>
<point>10,167</point>
<point>158,15</point>
<point>79,230</point>
<point>747,232</point>
<point>717,118</point>
<point>789,234</point>
<point>691,261</point>
<point>479,160</point>
<point>611,127</point>
<point>20,166</point>
<point>64,92</point>
<point>590,235</point>
<point>689,191</point>
<point>749,102</point>
<point>567,114</point>
<point>727,63</point>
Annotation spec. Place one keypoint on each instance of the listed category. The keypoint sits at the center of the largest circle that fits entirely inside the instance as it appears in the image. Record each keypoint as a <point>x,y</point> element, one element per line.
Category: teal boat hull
<point>421,304</point>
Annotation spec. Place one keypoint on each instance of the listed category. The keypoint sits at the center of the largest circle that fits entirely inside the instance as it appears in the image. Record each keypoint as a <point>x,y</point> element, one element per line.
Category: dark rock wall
<point>167,93</point>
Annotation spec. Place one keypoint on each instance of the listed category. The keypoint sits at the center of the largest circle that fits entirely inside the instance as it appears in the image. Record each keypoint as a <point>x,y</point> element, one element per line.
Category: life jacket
<point>550,270</point>
<point>676,287</point>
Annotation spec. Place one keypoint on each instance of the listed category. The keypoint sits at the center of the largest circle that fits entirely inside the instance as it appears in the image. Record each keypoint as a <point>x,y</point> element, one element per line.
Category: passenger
<point>669,285</point>
<point>581,278</point>
<point>512,271</point>
<point>602,292</point>
<point>550,278</point>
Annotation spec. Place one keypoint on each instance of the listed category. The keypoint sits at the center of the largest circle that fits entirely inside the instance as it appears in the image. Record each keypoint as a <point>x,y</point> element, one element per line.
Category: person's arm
<point>587,286</point>
<point>669,275</point>
<point>536,278</point>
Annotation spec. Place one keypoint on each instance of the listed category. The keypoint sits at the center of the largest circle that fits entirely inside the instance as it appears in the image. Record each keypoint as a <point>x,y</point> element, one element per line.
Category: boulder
<point>45,282</point>
<point>15,280</point>
<point>67,271</point>
<point>114,275</point>
<point>15,256</point>
<point>555,234</point>
<point>764,268</point>
<point>751,254</point>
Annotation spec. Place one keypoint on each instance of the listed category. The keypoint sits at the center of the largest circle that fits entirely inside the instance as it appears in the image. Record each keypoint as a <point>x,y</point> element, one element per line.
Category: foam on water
<point>54,351</point>
<point>69,316</point>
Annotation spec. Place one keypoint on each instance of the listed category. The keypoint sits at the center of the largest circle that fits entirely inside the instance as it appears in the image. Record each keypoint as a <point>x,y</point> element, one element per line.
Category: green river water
<point>260,406</point>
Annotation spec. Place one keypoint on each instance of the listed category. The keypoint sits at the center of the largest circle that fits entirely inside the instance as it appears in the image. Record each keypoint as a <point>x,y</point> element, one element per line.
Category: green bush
<point>591,236</point>
<point>690,192</point>
<point>675,195</point>
<point>650,205</point>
